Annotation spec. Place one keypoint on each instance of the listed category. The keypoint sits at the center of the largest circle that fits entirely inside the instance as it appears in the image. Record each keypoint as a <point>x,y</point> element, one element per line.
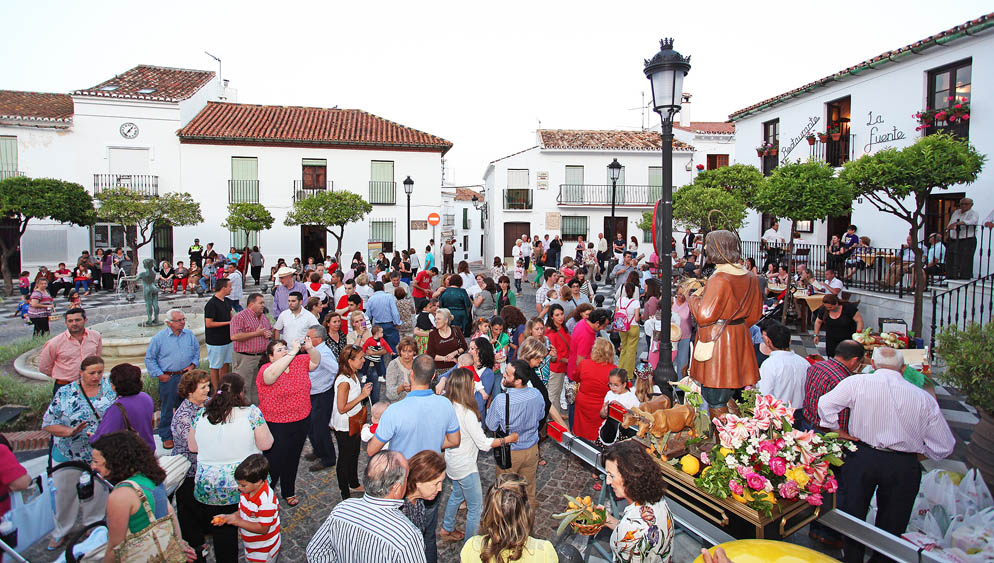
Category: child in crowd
<point>209,271</point>
<point>24,284</point>
<point>374,349</point>
<point>619,393</point>
<point>369,429</point>
<point>481,329</point>
<point>22,309</point>
<point>258,515</point>
<point>74,299</point>
<point>519,274</point>
<point>498,270</point>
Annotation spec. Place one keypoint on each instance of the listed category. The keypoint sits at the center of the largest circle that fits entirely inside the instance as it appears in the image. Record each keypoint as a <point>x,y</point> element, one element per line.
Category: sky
<point>483,75</point>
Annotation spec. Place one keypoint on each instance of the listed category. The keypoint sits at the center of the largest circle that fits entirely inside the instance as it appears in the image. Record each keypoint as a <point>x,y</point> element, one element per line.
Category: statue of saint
<point>730,303</point>
<point>150,291</point>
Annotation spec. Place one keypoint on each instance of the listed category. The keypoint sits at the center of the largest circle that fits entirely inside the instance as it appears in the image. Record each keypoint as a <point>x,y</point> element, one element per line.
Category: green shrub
<point>35,396</point>
<point>9,352</point>
<point>969,358</point>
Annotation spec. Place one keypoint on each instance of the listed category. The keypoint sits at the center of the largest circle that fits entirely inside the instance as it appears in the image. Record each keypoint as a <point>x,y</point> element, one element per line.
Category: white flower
<point>731,462</point>
<point>765,457</point>
<point>750,449</point>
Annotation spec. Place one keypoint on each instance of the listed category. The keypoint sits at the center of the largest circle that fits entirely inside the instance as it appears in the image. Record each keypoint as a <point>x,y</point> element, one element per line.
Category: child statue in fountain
<point>150,291</point>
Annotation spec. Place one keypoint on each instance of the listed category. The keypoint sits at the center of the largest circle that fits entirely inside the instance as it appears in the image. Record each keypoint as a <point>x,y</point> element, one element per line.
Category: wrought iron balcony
<point>600,195</point>
<point>4,174</point>
<point>145,185</point>
<point>243,191</point>
<point>518,198</point>
<point>382,193</point>
<point>835,153</point>
<point>302,191</point>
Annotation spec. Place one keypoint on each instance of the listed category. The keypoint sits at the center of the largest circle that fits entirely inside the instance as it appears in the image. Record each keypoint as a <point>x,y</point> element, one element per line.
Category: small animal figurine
<point>674,420</point>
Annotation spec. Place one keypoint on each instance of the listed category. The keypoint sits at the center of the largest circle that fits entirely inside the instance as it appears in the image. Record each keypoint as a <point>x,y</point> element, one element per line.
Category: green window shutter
<point>241,239</point>
<point>381,231</point>
<point>8,156</point>
<point>517,178</point>
<point>655,183</point>
<point>620,193</point>
<point>382,188</point>
<point>315,162</point>
<point>244,184</point>
<point>572,227</point>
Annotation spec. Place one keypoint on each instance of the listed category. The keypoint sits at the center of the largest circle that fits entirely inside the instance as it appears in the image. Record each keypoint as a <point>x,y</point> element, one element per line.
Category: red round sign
<point>434,219</point>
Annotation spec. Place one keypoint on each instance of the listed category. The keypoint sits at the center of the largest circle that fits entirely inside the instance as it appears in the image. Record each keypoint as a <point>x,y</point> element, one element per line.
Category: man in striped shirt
<point>526,411</point>
<point>371,529</point>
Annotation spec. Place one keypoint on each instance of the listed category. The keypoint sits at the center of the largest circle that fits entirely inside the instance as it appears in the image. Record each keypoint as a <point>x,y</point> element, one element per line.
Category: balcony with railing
<point>834,152</point>
<point>600,195</point>
<point>4,174</point>
<point>382,193</point>
<point>303,190</point>
<point>518,199</point>
<point>145,185</point>
<point>243,191</point>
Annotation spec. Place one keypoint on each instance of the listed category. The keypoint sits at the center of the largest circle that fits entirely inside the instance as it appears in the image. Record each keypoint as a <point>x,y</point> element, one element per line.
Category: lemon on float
<point>705,471</point>
<point>690,464</point>
<point>725,451</point>
<point>745,497</point>
<point>768,551</point>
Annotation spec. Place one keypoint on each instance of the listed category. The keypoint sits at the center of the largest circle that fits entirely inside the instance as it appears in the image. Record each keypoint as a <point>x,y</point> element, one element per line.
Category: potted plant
<point>968,355</point>
<point>823,137</point>
<point>811,138</point>
<point>700,167</point>
<point>957,111</point>
<point>761,150</point>
<point>835,132</point>
<point>772,150</point>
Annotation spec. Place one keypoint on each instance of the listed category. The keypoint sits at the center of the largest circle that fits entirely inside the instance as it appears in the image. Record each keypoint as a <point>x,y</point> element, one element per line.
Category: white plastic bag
<point>973,494</point>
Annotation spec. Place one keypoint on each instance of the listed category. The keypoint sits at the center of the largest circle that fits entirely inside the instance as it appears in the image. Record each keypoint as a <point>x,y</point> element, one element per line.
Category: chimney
<point>685,110</point>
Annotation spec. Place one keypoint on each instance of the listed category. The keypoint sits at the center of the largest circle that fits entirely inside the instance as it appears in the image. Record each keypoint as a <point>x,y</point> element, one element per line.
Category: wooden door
<point>315,177</point>
<point>512,232</point>
<point>620,226</point>
<point>162,244</point>
<point>313,242</point>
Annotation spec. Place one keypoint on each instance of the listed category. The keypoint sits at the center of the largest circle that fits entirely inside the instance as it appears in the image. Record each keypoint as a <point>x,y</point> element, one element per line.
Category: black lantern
<point>613,172</point>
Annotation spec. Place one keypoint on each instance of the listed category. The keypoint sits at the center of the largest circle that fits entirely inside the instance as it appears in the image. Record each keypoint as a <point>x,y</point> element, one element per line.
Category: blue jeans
<point>391,335</point>
<point>206,283</point>
<point>373,371</point>
<point>682,356</point>
<point>469,489</point>
<point>320,434</point>
<point>169,397</point>
<point>235,305</point>
<point>84,284</point>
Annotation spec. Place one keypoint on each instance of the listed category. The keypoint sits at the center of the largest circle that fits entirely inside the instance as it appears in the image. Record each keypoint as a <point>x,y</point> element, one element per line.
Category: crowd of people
<point>427,370</point>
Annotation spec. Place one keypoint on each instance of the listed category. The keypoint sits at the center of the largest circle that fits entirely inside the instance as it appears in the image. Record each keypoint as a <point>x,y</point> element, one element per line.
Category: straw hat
<point>675,332</point>
<point>285,271</point>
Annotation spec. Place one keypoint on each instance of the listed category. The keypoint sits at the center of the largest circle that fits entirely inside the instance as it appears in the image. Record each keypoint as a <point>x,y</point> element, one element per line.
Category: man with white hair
<point>893,422</point>
<point>287,285</point>
<point>172,352</point>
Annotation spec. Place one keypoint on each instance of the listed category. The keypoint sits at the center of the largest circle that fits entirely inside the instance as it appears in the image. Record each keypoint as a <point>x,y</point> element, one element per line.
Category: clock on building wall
<point>129,130</point>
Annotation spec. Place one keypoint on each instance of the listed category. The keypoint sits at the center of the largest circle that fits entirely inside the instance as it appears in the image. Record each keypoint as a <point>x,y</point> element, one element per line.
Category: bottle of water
<point>84,489</point>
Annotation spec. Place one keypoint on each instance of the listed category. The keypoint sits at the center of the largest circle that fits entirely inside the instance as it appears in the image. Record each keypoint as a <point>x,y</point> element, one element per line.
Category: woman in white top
<point>468,279</point>
<point>348,402</point>
<point>643,532</point>
<point>228,431</point>
<point>460,462</point>
<point>363,288</point>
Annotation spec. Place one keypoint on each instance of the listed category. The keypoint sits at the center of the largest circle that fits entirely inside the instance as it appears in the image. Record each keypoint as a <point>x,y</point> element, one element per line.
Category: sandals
<point>292,501</point>
<point>453,536</point>
<point>55,543</point>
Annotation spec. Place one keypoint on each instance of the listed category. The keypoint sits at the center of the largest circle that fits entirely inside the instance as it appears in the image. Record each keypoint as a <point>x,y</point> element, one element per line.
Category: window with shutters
<point>572,189</point>
<point>314,172</point>
<point>382,231</point>
<point>518,195</point>
<point>655,183</point>
<point>716,161</point>
<point>465,218</point>
<point>573,227</point>
<point>241,239</point>
<point>517,178</point>
<point>244,184</point>
<point>382,187</point>
<point>771,136</point>
<point>8,157</point>
<point>951,81</point>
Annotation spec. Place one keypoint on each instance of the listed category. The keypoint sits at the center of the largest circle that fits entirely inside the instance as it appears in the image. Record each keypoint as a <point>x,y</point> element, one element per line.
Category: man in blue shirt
<point>527,410</point>
<point>287,285</point>
<point>382,309</point>
<point>322,401</point>
<point>420,421</point>
<point>171,353</point>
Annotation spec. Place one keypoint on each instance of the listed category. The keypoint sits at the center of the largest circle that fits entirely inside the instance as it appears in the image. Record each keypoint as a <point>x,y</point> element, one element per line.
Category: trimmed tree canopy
<point>248,217</point>
<point>740,179</point>
<point>123,206</point>
<point>803,191</point>
<point>707,209</point>
<point>330,209</point>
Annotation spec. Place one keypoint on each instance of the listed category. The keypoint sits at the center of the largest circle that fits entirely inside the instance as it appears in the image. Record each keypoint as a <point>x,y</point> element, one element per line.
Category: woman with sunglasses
<point>349,396</point>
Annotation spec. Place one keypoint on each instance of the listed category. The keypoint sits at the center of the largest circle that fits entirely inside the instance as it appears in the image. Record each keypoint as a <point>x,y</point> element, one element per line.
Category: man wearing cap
<point>196,253</point>
<point>287,285</point>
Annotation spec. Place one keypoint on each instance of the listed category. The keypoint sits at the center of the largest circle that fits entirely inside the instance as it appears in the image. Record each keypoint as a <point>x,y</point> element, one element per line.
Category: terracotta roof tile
<point>708,127</point>
<point>916,48</point>
<point>147,82</point>
<point>606,140</point>
<point>248,123</point>
<point>35,106</point>
<point>466,194</point>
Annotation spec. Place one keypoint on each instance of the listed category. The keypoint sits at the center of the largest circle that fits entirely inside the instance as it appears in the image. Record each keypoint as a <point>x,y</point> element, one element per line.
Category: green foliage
<point>707,209</point>
<point>248,217</point>
<point>646,223</point>
<point>740,179</point>
<point>331,209</point>
<point>803,191</point>
<point>126,208</point>
<point>34,395</point>
<point>969,357</point>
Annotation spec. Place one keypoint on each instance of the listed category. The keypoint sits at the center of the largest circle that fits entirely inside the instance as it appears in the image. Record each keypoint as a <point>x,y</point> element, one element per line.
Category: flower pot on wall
<point>980,450</point>
<point>760,153</point>
<point>823,138</point>
<point>772,152</point>
<point>811,141</point>
<point>836,136</point>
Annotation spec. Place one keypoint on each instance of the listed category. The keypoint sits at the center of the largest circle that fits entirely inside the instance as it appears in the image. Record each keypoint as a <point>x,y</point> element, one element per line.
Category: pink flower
<point>768,446</point>
<point>743,471</point>
<point>952,118</point>
<point>815,499</point>
<point>733,430</point>
<point>965,117</point>
<point>735,487</point>
<point>949,99</point>
<point>831,485</point>
<point>957,106</point>
<point>788,489</point>
<point>756,481</point>
<point>813,488</point>
<point>778,466</point>
<point>704,458</point>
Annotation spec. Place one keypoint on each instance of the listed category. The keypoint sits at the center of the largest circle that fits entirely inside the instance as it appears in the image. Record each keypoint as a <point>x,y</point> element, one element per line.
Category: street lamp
<point>408,188</point>
<point>665,72</point>
<point>613,172</point>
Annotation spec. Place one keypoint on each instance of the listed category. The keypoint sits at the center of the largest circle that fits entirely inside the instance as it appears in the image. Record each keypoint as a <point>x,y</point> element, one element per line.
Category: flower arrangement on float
<point>760,459</point>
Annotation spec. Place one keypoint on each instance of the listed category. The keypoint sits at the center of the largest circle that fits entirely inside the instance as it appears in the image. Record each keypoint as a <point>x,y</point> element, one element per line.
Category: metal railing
<point>835,153</point>
<point>638,195</point>
<point>972,302</point>
<point>4,174</point>
<point>383,193</point>
<point>449,220</point>
<point>243,191</point>
<point>301,192</point>
<point>518,198</point>
<point>146,185</point>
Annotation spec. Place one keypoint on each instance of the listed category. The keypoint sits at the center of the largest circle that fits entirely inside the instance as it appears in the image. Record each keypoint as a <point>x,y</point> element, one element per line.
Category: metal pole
<point>664,371</point>
<point>409,222</point>
<point>610,235</point>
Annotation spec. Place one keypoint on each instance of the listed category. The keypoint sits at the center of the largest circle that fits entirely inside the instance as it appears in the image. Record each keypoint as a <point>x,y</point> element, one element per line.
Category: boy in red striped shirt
<point>258,513</point>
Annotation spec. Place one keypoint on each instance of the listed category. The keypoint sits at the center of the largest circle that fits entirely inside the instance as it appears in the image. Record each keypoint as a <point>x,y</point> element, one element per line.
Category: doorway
<point>9,232</point>
<point>620,226</point>
<point>938,209</point>
<point>162,244</point>
<point>512,232</point>
<point>313,242</point>
<point>837,225</point>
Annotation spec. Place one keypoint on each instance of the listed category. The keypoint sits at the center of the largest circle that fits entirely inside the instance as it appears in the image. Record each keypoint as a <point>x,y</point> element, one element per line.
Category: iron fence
<point>4,174</point>
<point>834,152</point>
<point>146,185</point>
<point>243,191</point>
<point>301,192</point>
<point>601,194</point>
<point>959,306</point>
<point>518,198</point>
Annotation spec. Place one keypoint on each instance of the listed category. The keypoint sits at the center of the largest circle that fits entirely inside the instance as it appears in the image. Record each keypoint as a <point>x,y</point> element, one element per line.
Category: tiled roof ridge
<point>186,82</point>
<point>708,127</point>
<point>847,71</point>
<point>649,137</point>
<point>26,105</point>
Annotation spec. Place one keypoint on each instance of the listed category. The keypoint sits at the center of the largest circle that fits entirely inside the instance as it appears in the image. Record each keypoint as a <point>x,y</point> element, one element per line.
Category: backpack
<point>622,322</point>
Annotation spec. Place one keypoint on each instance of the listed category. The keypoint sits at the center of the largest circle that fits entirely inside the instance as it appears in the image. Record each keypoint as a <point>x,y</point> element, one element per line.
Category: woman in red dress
<point>593,377</point>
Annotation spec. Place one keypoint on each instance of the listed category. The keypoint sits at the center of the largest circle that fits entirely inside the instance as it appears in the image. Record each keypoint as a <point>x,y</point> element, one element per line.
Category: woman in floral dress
<point>644,531</point>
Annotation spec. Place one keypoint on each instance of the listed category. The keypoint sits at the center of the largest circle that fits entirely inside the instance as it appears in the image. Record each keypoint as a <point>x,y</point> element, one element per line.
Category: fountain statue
<point>150,291</point>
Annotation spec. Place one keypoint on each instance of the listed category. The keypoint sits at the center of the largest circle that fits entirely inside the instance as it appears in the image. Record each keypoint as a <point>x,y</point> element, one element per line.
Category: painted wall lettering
<point>794,141</point>
<point>876,125</point>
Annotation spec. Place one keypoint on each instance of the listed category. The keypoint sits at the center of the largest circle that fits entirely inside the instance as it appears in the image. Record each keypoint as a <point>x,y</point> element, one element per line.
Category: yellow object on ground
<point>768,551</point>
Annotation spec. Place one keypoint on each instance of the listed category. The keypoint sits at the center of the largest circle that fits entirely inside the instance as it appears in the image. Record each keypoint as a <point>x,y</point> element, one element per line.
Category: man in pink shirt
<point>61,356</point>
<point>250,333</point>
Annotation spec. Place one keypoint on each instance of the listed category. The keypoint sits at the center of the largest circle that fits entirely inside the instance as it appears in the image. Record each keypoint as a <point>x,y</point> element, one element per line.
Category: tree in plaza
<point>707,208</point>
<point>127,208</point>
<point>248,217</point>
<point>899,181</point>
<point>740,179</point>
<point>802,191</point>
<point>23,199</point>
<point>329,209</point>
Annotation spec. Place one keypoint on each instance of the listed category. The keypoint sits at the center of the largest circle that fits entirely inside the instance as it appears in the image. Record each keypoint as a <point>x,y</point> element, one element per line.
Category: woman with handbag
<point>133,410</point>
<point>228,431</point>
<point>141,524</point>
<point>284,386</point>
<point>193,387</point>
<point>74,413</point>
<point>348,417</point>
<point>460,462</point>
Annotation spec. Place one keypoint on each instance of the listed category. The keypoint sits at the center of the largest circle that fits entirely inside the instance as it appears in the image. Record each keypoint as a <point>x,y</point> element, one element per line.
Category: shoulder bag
<point>502,454</point>
<point>157,542</point>
<point>357,420</point>
<point>127,421</point>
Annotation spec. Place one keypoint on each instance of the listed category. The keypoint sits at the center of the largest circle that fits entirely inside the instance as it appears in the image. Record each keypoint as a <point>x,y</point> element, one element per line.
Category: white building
<point>713,141</point>
<point>561,187</point>
<point>124,131</point>
<point>463,222</point>
<point>873,103</point>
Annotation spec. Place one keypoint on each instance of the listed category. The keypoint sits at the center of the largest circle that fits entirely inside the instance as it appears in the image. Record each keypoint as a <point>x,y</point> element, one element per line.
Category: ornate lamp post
<point>614,172</point>
<point>665,72</point>
<point>408,188</point>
